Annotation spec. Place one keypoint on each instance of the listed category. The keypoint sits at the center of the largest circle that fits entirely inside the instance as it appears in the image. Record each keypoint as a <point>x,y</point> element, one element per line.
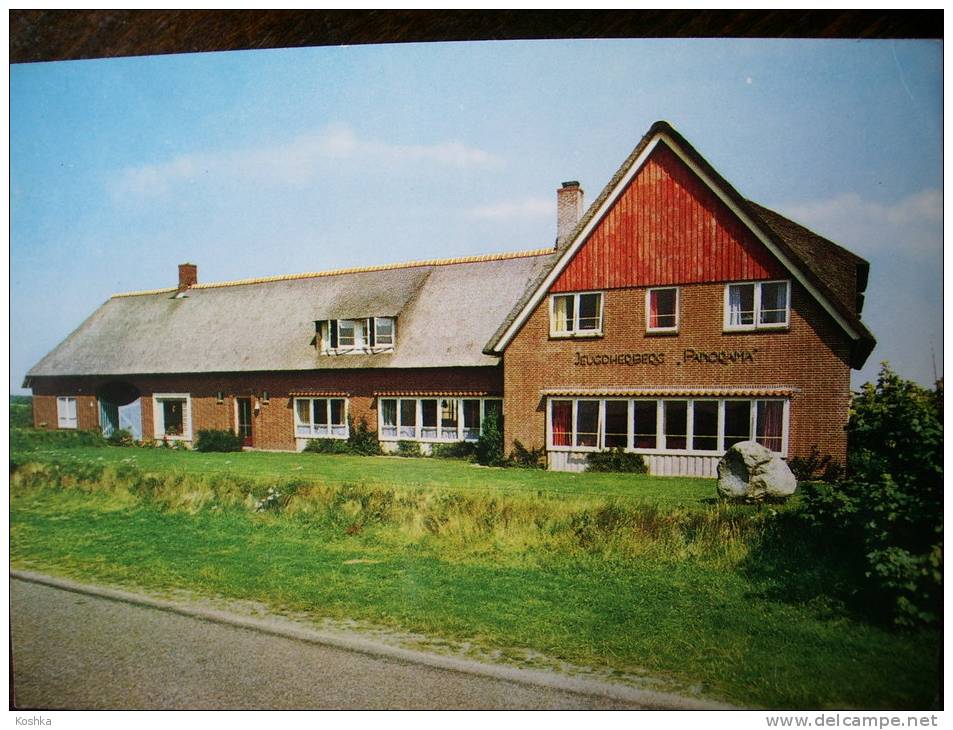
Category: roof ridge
<point>479,258</point>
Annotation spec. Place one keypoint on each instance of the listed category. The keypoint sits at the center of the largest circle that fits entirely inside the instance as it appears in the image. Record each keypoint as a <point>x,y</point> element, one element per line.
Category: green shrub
<point>120,437</point>
<point>327,446</point>
<point>816,467</point>
<point>489,447</point>
<point>361,440</point>
<point>524,458</point>
<point>616,460</point>
<point>408,448</point>
<point>31,439</point>
<point>218,440</point>
<point>888,513</point>
<point>21,411</point>
<point>455,450</point>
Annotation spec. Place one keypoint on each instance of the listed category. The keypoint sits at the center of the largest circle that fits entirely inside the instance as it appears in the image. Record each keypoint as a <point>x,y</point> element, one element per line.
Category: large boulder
<point>752,472</point>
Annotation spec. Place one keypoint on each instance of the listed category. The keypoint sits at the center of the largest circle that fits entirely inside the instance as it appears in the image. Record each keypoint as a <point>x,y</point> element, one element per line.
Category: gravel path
<point>73,651</point>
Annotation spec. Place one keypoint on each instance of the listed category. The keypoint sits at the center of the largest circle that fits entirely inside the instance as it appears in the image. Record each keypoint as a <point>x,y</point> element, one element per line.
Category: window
<point>644,426</point>
<point>617,428</point>
<point>675,415</point>
<point>705,425</point>
<point>661,307</point>
<point>576,315</point>
<point>434,419</point>
<point>66,412</point>
<point>428,418</point>
<point>388,419</point>
<point>448,419</point>
<point>321,418</point>
<point>172,417</point>
<point>679,426</point>
<point>383,332</point>
<point>757,305</point>
<point>587,423</point>
<point>770,419</point>
<point>373,334</point>
<point>471,420</point>
<point>737,422</point>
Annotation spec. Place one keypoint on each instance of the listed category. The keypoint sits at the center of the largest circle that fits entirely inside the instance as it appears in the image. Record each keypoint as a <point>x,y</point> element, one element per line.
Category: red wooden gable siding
<point>667,227</point>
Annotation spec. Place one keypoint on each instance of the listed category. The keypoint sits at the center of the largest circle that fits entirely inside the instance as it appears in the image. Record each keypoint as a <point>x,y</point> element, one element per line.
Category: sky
<point>282,161</point>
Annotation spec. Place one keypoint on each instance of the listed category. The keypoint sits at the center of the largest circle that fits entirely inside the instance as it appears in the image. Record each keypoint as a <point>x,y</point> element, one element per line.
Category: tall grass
<point>459,524</point>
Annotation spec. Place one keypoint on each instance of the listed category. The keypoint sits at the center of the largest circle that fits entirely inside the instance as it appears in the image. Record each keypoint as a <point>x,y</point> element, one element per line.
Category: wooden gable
<point>667,227</point>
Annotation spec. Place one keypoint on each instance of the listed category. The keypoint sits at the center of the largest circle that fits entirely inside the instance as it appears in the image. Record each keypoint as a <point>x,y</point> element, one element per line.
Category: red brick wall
<point>273,422</point>
<point>812,355</point>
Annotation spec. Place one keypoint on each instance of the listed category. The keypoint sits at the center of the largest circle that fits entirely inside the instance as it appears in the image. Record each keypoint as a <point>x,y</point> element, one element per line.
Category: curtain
<point>562,423</point>
<point>770,423</point>
<point>734,305</point>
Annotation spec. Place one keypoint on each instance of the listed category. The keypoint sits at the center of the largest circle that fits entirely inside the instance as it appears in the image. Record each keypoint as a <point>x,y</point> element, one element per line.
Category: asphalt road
<point>75,651</point>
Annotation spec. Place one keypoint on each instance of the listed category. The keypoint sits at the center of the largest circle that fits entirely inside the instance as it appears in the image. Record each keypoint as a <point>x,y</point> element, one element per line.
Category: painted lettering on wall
<point>720,357</point>
<point>621,358</point>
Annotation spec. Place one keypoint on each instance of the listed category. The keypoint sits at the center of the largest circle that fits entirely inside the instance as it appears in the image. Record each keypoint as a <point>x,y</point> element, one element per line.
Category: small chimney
<point>568,209</point>
<point>188,276</point>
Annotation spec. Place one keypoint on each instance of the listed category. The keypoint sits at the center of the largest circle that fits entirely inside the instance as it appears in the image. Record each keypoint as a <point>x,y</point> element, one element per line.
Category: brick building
<point>673,318</point>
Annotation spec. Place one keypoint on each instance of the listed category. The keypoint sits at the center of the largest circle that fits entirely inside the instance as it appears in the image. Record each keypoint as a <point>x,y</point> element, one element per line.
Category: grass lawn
<point>636,575</point>
<point>335,470</point>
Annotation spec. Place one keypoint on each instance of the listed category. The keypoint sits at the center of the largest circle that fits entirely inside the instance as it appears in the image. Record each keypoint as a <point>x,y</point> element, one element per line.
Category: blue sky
<point>271,162</point>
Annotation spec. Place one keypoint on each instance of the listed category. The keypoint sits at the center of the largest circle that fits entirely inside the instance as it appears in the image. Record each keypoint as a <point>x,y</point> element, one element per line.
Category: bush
<point>362,441</point>
<point>816,467</point>
<point>30,439</point>
<point>489,447</point>
<point>524,458</point>
<point>889,511</point>
<point>21,411</point>
<point>408,448</point>
<point>218,440</point>
<point>327,446</point>
<point>616,460</point>
<point>120,437</point>
<point>455,450</point>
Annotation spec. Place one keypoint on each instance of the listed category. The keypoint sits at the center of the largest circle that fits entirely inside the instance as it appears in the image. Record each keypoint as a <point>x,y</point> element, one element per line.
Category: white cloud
<point>911,226</point>
<point>294,162</point>
<point>509,210</point>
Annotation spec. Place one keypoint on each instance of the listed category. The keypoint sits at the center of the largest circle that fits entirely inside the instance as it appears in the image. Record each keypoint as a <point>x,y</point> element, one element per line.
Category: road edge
<point>285,628</point>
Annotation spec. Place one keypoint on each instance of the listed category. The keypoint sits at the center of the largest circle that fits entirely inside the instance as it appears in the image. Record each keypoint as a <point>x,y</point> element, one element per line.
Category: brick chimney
<point>568,209</point>
<point>188,276</point>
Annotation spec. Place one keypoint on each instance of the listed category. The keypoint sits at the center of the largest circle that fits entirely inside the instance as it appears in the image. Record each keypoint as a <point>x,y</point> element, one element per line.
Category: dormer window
<point>356,336</point>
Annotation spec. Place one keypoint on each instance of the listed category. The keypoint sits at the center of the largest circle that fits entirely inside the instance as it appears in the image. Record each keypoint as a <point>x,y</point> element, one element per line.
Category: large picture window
<point>680,426</point>
<point>321,418</point>
<point>757,305</point>
<point>172,416</point>
<point>576,314</point>
<point>434,419</point>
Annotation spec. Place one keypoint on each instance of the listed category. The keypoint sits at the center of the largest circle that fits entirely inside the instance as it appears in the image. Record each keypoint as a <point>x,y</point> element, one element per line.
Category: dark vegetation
<point>616,460</point>
<point>218,440</point>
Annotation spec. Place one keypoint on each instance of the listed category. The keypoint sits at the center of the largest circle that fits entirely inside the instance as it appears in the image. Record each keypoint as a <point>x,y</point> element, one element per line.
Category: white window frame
<point>660,424</point>
<point>63,419</point>
<point>362,336</point>
<point>648,310</point>
<point>756,324</point>
<point>439,438</point>
<point>313,432</point>
<point>158,416</point>
<point>575,331</point>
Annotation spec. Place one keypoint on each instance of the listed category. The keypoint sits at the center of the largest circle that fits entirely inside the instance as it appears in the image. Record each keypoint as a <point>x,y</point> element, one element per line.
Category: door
<point>244,421</point>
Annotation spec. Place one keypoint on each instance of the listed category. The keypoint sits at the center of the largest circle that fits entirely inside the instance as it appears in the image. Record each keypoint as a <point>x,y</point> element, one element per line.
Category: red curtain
<point>562,423</point>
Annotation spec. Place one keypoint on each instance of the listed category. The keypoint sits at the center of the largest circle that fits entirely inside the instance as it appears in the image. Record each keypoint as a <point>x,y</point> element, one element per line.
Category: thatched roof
<point>445,311</point>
